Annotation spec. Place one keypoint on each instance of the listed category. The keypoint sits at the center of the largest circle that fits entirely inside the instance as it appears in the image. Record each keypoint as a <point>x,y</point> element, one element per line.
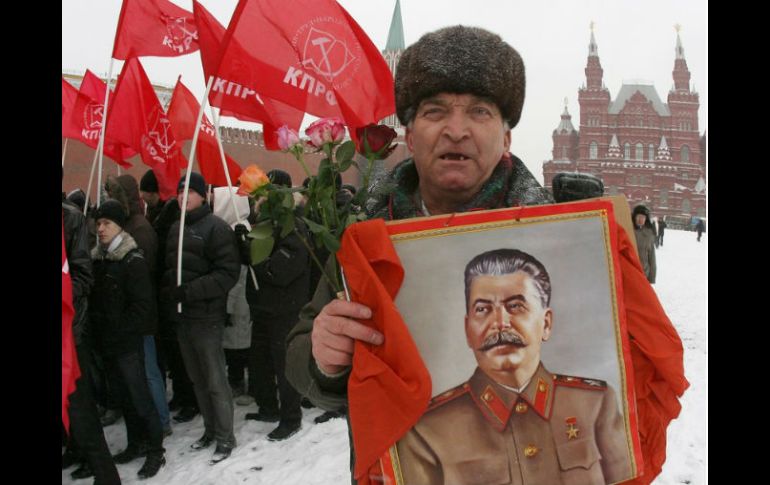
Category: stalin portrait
<point>513,421</point>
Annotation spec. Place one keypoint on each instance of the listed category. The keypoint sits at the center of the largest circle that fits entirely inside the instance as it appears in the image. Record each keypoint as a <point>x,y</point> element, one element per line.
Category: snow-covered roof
<point>648,91</point>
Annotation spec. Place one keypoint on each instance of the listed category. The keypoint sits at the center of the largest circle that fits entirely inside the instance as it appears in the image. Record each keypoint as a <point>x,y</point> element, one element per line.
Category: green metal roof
<point>396,34</point>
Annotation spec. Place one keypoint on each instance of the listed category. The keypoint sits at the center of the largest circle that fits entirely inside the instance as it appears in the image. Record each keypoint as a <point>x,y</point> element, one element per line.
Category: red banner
<point>68,97</point>
<point>154,28</point>
<point>70,371</point>
<point>86,117</point>
<point>314,57</point>
<point>183,113</point>
<point>233,96</point>
<point>136,118</point>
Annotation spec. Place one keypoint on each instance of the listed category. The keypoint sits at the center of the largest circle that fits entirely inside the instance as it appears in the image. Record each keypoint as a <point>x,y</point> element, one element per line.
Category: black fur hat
<point>461,60</point>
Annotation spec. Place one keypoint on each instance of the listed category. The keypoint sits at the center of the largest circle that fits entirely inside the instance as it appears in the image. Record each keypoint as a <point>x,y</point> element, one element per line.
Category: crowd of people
<point>274,330</point>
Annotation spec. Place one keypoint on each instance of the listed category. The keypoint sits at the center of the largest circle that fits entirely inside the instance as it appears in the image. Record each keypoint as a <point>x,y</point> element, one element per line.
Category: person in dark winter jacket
<point>661,230</point>
<point>121,302</point>
<point>645,240</point>
<point>125,190</point>
<point>162,215</point>
<point>210,268</point>
<point>87,444</point>
<point>283,279</point>
<point>700,227</point>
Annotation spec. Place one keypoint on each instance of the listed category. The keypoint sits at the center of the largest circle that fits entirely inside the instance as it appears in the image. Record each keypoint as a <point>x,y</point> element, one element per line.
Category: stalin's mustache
<point>503,337</point>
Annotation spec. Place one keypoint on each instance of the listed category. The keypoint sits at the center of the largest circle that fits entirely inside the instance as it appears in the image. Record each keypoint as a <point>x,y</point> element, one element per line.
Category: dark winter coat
<point>125,190</point>
<point>645,245</point>
<point>283,278</point>
<point>511,184</point>
<point>122,299</point>
<point>79,260</point>
<point>163,218</point>
<point>210,267</point>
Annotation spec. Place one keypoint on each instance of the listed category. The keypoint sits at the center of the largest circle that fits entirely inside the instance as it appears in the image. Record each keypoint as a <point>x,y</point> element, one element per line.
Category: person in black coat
<point>162,214</point>
<point>121,301</point>
<point>700,227</point>
<point>284,287</point>
<point>87,444</point>
<point>210,267</point>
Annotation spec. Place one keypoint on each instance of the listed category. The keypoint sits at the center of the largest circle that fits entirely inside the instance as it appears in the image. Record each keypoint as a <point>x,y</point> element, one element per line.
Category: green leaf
<point>314,228</point>
<point>330,242</point>
<point>350,220</point>
<point>287,224</point>
<point>361,216</point>
<point>262,230</point>
<point>288,201</point>
<point>345,154</point>
<point>261,249</point>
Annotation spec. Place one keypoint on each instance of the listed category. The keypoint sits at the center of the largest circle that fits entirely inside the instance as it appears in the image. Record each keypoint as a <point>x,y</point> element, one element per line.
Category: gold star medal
<point>572,431</point>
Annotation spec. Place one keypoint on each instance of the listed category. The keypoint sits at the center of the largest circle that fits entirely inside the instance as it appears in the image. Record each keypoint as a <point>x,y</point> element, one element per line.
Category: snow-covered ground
<point>319,454</point>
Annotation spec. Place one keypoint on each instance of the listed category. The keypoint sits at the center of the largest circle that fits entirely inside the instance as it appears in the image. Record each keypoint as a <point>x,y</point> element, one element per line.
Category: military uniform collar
<point>497,403</point>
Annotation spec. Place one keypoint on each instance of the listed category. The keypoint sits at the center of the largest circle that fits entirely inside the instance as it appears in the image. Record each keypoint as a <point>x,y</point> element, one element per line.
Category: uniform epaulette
<point>581,382</point>
<point>447,396</point>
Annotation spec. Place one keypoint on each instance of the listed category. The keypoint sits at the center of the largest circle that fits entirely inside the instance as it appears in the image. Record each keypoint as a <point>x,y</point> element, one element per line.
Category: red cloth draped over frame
<point>389,387</point>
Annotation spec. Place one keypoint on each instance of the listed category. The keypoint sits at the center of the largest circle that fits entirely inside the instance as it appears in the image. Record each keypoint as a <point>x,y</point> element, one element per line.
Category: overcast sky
<point>636,41</point>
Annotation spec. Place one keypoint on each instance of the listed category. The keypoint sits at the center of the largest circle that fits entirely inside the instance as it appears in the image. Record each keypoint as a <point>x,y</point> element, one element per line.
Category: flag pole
<point>215,119</point>
<point>103,130</point>
<point>183,207</point>
<point>90,181</point>
<point>64,155</point>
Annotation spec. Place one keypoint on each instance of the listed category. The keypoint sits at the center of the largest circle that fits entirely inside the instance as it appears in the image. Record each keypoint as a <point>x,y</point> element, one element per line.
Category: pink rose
<point>287,138</point>
<point>326,130</point>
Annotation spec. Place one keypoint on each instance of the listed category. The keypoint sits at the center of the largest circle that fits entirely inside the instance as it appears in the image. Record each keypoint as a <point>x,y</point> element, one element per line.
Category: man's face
<point>106,230</point>
<point>506,322</point>
<point>194,199</point>
<point>150,198</point>
<point>639,219</point>
<point>457,141</point>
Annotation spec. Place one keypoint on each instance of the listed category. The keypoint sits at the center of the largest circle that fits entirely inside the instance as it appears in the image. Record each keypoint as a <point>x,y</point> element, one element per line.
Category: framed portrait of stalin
<point>516,315</point>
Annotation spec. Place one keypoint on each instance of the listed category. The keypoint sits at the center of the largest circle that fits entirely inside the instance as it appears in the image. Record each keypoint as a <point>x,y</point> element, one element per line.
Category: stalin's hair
<point>460,60</point>
<point>500,262</point>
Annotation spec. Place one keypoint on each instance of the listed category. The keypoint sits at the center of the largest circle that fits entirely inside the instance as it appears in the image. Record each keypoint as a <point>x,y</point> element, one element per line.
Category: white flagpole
<point>90,181</point>
<point>64,155</point>
<point>215,119</point>
<point>100,149</point>
<point>183,207</point>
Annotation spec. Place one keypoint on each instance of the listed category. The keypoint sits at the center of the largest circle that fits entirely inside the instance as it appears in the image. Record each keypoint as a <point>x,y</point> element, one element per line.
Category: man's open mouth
<point>454,156</point>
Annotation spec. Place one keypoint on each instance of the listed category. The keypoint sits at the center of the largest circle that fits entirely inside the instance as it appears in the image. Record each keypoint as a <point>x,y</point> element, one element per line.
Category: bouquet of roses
<point>325,219</point>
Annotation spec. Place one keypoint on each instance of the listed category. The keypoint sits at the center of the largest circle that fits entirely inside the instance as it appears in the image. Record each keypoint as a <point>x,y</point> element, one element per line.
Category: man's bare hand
<point>335,331</point>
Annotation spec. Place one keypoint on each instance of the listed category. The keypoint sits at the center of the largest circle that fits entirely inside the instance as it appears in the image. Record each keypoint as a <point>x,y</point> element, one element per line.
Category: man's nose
<point>502,318</point>
<point>456,127</point>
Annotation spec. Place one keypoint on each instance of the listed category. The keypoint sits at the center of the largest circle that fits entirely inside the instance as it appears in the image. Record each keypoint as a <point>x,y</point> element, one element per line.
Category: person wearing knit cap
<point>210,268</point>
<point>458,91</point>
<point>120,302</point>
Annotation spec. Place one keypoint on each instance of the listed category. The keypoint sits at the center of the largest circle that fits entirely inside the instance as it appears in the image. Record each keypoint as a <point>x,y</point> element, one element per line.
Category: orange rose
<point>252,178</point>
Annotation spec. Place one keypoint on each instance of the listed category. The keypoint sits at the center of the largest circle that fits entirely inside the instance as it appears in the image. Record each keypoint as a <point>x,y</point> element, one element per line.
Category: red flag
<point>87,114</point>
<point>232,95</point>
<point>68,97</point>
<point>182,113</point>
<point>136,119</point>
<point>154,28</point>
<point>313,56</point>
<point>70,370</point>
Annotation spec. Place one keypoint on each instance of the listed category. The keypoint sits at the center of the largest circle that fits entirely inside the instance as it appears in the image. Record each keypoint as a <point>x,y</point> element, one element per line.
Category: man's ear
<point>507,141</point>
<point>467,337</point>
<point>548,324</point>
<point>408,137</point>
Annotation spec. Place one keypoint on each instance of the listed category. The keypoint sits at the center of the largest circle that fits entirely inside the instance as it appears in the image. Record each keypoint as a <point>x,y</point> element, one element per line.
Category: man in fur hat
<point>459,91</point>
